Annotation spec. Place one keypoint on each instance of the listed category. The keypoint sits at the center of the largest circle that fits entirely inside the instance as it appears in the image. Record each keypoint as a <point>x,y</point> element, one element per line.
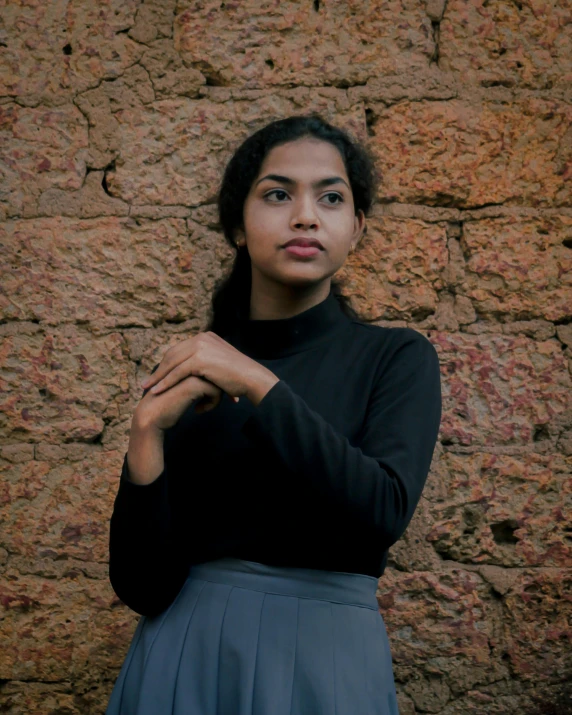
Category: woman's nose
<point>304,214</point>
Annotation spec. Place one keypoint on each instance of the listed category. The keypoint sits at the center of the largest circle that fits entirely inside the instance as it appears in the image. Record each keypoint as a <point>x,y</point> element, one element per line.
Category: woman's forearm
<point>148,562</point>
<point>145,453</point>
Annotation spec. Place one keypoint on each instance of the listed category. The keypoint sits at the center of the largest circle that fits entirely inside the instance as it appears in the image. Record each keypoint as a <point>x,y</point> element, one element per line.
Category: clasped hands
<point>201,368</point>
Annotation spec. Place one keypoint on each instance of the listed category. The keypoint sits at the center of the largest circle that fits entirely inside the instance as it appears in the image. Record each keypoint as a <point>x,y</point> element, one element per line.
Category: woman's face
<point>291,203</point>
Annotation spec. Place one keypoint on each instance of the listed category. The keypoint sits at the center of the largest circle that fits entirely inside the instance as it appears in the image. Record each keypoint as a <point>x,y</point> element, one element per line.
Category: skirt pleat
<point>151,675</point>
<point>313,687</point>
<point>238,651</point>
<point>380,682</point>
<point>350,671</point>
<point>198,681</point>
<point>272,692</point>
<point>243,638</point>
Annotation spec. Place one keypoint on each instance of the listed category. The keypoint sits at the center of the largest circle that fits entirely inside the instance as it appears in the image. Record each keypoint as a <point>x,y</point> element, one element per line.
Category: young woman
<point>273,460</point>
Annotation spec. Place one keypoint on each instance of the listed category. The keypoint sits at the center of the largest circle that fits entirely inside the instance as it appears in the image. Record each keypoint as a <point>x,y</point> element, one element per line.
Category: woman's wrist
<point>261,385</point>
<point>143,419</point>
<point>145,453</point>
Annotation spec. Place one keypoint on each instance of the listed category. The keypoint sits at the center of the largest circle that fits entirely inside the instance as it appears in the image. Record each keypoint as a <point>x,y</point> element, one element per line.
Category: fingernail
<point>145,382</point>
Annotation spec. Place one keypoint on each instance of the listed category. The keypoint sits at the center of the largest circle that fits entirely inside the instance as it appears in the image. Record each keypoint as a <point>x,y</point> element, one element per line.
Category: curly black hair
<point>243,168</point>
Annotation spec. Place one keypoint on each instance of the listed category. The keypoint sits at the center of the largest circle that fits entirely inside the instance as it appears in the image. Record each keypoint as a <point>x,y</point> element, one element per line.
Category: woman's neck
<point>278,302</point>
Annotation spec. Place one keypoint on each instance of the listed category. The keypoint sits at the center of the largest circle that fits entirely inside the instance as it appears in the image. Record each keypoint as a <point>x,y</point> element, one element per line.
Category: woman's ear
<point>239,237</point>
<point>360,229</point>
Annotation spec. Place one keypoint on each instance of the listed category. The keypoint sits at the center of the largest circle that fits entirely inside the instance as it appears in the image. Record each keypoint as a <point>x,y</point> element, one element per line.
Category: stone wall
<point>117,118</point>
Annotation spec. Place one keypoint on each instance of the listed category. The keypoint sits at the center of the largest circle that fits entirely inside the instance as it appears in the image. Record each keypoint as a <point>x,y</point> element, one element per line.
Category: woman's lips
<point>302,251</point>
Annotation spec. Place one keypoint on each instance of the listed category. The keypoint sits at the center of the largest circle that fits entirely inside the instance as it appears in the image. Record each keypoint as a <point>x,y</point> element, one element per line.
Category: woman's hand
<point>209,357</point>
<point>160,412</point>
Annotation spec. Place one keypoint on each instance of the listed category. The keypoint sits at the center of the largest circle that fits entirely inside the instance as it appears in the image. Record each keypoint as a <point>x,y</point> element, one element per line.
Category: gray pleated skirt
<point>244,638</point>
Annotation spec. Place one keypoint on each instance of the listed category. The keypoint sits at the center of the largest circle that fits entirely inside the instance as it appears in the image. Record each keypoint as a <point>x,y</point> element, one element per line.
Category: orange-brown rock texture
<point>116,120</point>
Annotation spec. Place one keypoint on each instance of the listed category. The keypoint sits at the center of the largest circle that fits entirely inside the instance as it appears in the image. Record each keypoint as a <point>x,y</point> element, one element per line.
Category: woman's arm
<point>381,480</point>
<point>147,565</point>
<point>145,459</point>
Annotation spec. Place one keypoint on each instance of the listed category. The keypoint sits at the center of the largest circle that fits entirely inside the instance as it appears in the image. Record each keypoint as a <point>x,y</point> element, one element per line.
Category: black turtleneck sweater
<point>324,473</point>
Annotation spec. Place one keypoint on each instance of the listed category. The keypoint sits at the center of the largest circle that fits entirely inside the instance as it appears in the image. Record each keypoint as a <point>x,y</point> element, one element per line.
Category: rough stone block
<point>60,386</point>
<point>396,269</point>
<point>41,149</point>
<point>174,151</point>
<point>442,629</point>
<point>28,698</point>
<point>504,510</point>
<point>59,48</point>
<point>519,267</point>
<point>537,625</point>
<point>325,43</point>
<point>498,42</point>
<point>469,154</point>
<point>51,629</point>
<point>61,510</point>
<point>141,271</point>
<point>502,389</point>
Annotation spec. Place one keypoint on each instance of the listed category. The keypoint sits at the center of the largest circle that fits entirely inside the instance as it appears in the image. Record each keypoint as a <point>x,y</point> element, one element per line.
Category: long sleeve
<point>147,566</point>
<point>380,480</point>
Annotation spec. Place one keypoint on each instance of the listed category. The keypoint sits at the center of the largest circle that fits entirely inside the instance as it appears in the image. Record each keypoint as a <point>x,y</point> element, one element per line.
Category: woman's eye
<point>337,196</point>
<point>283,193</point>
<point>276,191</point>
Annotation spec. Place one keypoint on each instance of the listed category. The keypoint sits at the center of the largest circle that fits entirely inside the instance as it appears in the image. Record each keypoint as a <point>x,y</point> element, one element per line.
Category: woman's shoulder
<point>381,346</point>
<point>391,337</point>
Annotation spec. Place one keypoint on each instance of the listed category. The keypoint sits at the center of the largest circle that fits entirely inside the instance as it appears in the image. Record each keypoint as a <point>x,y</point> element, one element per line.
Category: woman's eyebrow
<point>317,184</point>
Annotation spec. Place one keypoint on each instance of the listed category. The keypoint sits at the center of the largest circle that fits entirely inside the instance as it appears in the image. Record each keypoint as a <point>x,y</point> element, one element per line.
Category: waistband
<point>335,586</point>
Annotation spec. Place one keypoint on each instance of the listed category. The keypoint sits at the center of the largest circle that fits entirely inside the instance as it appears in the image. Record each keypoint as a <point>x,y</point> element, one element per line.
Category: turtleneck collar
<point>276,338</point>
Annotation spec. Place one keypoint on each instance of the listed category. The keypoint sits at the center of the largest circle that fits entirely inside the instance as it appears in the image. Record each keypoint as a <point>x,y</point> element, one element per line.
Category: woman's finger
<point>176,355</point>
<point>202,356</point>
<point>150,381</point>
<point>208,402</point>
<point>176,375</point>
<point>172,376</point>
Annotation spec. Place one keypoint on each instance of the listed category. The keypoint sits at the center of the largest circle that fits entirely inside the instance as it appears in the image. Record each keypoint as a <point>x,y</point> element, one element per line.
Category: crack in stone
<point>104,186</point>
<point>435,11</point>
<point>3,681</point>
<point>435,25</point>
